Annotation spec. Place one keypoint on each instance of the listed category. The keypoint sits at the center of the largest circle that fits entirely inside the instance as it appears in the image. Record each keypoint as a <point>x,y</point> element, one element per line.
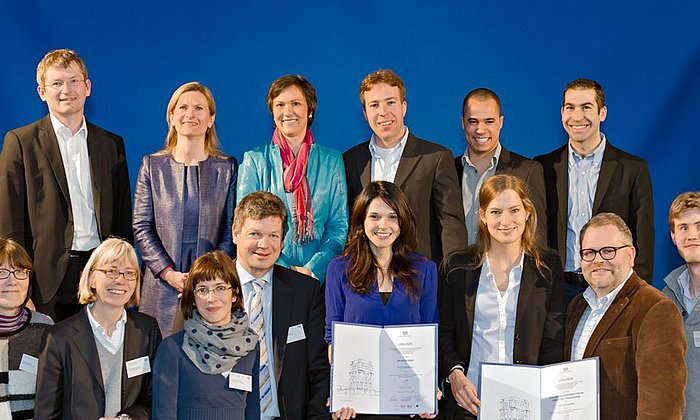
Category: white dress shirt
<point>592,315</point>
<point>494,320</point>
<point>76,163</point>
<point>385,162</point>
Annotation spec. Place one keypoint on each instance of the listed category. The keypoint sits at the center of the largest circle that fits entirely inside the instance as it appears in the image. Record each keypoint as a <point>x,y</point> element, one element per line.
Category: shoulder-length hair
<point>489,190</point>
<point>14,256</point>
<point>210,266</point>
<point>363,265</point>
<point>107,252</point>
<point>211,140</point>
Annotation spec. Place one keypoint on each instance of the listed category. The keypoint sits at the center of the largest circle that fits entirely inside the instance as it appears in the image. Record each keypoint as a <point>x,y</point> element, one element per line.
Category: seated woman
<point>503,298</point>
<point>97,363</point>
<point>21,333</point>
<point>209,370</point>
<point>379,280</point>
<point>309,178</point>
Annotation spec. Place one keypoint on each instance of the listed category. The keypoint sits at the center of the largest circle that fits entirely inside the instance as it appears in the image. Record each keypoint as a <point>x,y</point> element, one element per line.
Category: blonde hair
<point>685,201</point>
<point>112,249</point>
<point>62,58</point>
<point>211,140</point>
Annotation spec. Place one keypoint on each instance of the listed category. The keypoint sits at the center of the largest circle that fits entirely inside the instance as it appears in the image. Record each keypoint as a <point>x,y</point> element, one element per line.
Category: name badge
<point>295,333</point>
<point>137,367</point>
<point>29,364</point>
<point>696,338</point>
<point>240,381</point>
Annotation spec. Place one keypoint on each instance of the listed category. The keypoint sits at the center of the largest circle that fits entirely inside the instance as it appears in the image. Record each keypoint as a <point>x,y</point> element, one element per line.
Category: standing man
<point>588,176</point>
<point>635,330</point>
<point>286,310</point>
<point>64,185</point>
<point>423,170</point>
<point>683,288</point>
<point>484,157</point>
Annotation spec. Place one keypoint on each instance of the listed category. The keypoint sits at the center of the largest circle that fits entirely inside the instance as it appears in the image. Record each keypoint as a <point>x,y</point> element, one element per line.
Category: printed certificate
<point>558,391</point>
<point>384,370</point>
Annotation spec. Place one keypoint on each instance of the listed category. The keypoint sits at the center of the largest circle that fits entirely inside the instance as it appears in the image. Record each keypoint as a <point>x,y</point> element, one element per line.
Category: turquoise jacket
<point>261,169</point>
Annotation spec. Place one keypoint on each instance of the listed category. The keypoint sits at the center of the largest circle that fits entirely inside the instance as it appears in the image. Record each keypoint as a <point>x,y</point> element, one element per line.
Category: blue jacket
<point>159,212</point>
<point>261,169</point>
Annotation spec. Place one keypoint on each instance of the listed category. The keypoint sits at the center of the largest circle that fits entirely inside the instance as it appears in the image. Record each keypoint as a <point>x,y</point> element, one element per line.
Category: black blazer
<point>539,322</point>
<point>69,381</point>
<point>35,208</point>
<point>530,172</point>
<point>302,370</point>
<point>426,176</point>
<point>624,188</point>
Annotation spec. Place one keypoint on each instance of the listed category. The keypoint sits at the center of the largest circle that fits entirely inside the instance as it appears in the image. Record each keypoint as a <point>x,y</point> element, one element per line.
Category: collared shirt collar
<point>113,342</point>
<point>62,131</point>
<point>597,154</point>
<point>494,159</point>
<point>604,302</point>
<point>245,277</point>
<point>374,149</point>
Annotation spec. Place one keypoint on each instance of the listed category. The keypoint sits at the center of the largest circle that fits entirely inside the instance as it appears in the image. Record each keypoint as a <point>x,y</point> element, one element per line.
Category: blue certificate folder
<point>567,390</point>
<point>384,370</point>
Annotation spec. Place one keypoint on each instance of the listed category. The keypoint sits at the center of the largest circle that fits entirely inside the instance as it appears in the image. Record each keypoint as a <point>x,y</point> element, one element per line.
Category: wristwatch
<point>124,416</point>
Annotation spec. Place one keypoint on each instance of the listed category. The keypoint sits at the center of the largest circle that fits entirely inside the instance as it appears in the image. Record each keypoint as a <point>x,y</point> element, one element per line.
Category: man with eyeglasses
<point>683,287</point>
<point>286,310</point>
<point>64,185</point>
<point>632,327</point>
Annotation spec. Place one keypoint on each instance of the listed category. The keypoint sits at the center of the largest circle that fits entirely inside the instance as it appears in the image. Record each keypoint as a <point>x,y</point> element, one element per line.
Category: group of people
<point>246,268</point>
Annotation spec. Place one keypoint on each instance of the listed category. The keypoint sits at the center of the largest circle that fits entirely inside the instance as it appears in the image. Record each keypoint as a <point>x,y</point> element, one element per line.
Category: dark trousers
<point>65,302</point>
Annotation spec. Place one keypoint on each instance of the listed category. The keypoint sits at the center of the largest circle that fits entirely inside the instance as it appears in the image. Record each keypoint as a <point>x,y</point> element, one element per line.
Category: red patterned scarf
<point>295,182</point>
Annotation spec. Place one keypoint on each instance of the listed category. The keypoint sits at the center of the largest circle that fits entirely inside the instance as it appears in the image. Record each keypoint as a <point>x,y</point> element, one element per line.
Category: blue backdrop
<point>646,54</point>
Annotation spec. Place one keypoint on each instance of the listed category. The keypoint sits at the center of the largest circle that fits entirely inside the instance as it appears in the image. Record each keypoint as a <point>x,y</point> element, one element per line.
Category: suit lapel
<point>616,307</point>
<point>49,143</point>
<point>504,166</point>
<point>84,341</point>
<point>561,169</point>
<point>283,294</point>
<point>133,340</point>
<point>409,160</point>
<point>365,163</point>
<point>528,281</point>
<point>607,169</point>
<point>573,316</point>
<point>98,167</point>
<point>471,285</point>
<point>212,186</point>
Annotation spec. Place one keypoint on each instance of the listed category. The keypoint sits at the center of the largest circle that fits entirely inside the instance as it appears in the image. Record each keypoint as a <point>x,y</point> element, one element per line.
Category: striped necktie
<point>257,322</point>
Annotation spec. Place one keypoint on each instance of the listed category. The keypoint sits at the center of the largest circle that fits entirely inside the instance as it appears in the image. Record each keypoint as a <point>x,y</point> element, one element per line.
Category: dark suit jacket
<point>426,176</point>
<point>69,381</point>
<point>35,208</point>
<point>624,188</point>
<point>530,172</point>
<point>301,368</point>
<point>539,322</point>
<point>641,345</point>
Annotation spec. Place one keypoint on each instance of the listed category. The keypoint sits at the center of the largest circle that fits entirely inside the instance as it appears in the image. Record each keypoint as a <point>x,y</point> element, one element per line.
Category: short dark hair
<point>480,94</point>
<point>300,81</point>
<point>210,266</point>
<point>587,84</point>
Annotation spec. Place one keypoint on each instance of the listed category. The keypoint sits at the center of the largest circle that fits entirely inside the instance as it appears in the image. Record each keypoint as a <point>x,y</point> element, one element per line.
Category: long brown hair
<point>363,265</point>
<point>489,190</point>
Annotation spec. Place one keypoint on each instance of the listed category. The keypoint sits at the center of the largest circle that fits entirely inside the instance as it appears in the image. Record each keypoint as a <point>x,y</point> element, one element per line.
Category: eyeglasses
<point>20,273</point>
<point>58,84</point>
<point>607,252</point>
<point>203,292</point>
<point>113,274</point>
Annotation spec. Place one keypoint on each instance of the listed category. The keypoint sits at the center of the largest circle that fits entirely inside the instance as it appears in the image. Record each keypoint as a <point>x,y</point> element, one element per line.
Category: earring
<point>310,115</point>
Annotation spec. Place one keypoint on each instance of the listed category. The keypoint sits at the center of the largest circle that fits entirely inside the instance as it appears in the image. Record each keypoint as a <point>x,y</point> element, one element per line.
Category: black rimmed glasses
<point>607,253</point>
<point>203,292</point>
<point>113,274</point>
<point>19,273</point>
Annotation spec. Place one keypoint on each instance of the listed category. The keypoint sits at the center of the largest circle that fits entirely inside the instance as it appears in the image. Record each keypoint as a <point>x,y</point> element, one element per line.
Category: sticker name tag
<point>29,364</point>
<point>137,367</point>
<point>240,381</point>
<point>295,333</point>
<point>696,338</point>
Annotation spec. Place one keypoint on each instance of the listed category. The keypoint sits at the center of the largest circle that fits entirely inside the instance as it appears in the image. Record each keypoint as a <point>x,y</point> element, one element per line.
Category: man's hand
<point>464,391</point>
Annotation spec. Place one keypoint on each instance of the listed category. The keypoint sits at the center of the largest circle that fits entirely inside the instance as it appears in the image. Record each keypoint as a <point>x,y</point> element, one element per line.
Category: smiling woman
<point>209,370</point>
<point>21,333</point>
<point>184,200</point>
<point>93,347</point>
